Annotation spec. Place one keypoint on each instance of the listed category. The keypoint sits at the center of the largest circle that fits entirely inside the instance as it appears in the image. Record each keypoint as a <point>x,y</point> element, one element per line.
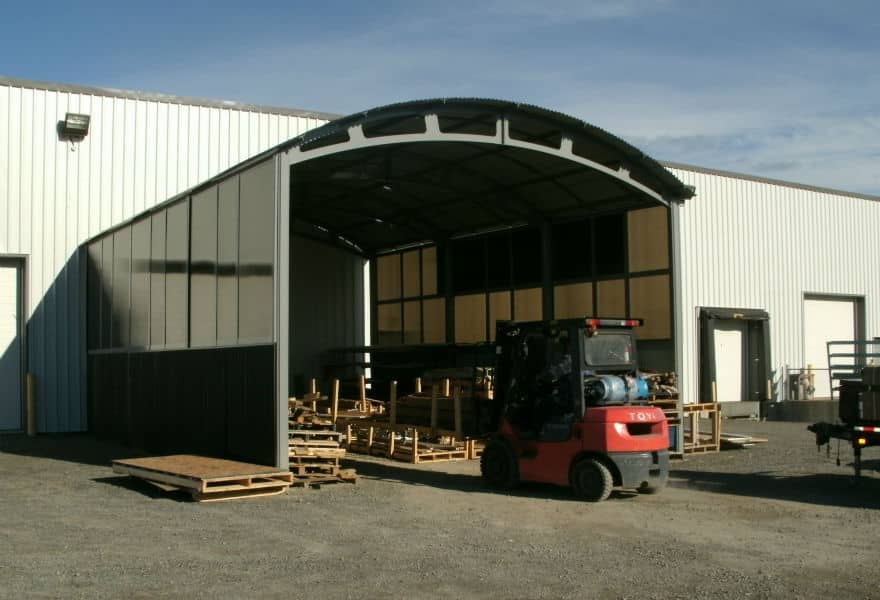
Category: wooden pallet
<point>316,480</point>
<point>207,479</point>
<point>740,440</point>
<point>401,442</point>
<point>695,441</point>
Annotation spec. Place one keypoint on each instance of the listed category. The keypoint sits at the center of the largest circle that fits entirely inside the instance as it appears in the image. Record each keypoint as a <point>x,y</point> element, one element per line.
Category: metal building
<point>56,192</point>
<point>801,259</point>
<point>461,209</point>
<point>193,319</point>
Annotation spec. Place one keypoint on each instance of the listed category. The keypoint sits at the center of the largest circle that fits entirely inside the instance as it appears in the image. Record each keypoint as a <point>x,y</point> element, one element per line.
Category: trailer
<point>855,377</point>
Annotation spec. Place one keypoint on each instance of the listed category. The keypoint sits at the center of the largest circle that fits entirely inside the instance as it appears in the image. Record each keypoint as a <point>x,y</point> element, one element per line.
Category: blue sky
<point>783,89</point>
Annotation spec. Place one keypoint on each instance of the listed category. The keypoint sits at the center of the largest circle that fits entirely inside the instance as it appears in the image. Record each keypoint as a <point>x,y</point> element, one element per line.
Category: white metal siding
<point>54,195</point>
<point>752,244</point>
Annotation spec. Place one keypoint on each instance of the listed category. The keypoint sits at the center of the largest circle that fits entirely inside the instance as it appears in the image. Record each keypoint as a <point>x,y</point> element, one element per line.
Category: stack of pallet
<point>392,436</point>
<point>314,456</point>
<point>314,447</point>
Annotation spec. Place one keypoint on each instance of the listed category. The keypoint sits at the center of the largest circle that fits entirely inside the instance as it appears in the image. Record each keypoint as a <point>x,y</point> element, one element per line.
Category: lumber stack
<point>392,437</point>
<point>206,479</point>
<point>435,405</point>
<point>361,407</point>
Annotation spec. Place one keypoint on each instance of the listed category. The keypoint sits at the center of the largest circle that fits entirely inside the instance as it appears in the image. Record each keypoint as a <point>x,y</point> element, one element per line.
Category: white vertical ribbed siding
<point>752,244</point>
<point>54,196</point>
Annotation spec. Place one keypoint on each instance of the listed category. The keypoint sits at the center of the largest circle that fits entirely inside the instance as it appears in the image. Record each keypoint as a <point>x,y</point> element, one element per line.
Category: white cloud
<point>795,113</point>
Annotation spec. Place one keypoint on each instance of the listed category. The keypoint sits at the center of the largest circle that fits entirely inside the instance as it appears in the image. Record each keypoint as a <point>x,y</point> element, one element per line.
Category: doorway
<point>11,344</point>
<point>734,359</point>
<point>829,319</point>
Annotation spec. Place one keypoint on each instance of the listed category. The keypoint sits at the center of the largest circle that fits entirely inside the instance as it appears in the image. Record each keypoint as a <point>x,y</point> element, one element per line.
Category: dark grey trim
<point>767,180</point>
<point>282,307</point>
<point>167,98</point>
<point>83,260</point>
<point>746,314</point>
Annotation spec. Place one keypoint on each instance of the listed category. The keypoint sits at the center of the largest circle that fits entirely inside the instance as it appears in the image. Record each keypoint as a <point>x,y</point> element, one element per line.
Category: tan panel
<point>388,277</point>
<point>435,320</point>
<point>412,322</point>
<point>388,318</point>
<point>611,298</point>
<point>529,305</point>
<point>429,271</point>
<point>470,318</point>
<point>648,239</point>
<point>499,309</point>
<point>411,275</point>
<point>649,300</point>
<point>573,301</point>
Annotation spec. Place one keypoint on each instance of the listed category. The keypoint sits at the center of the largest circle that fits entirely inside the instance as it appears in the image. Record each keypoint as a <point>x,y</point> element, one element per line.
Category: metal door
<point>730,352</point>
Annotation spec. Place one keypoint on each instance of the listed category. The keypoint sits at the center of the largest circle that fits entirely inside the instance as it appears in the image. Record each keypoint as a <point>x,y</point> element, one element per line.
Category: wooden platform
<point>207,479</point>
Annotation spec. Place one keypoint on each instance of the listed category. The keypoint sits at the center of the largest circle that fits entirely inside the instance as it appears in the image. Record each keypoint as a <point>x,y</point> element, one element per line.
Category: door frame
<point>858,323</point>
<point>20,262</point>
<point>755,319</point>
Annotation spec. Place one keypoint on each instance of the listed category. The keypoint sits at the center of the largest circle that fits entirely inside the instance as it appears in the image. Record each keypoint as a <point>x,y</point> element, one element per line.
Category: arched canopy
<point>435,169</point>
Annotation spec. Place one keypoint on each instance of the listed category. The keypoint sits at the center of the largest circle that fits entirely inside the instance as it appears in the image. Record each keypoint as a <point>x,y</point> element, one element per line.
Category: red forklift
<point>570,409</point>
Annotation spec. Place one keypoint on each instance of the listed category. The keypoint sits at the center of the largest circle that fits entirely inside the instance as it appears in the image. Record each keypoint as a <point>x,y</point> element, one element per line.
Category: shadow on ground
<point>133,484</point>
<point>80,448</point>
<point>819,488</point>
<point>460,482</point>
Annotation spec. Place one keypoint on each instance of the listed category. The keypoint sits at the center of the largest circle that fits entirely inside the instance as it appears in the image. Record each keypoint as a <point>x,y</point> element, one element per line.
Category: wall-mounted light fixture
<point>74,127</point>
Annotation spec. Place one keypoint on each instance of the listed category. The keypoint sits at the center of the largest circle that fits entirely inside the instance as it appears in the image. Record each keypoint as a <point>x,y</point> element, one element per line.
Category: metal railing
<point>846,359</point>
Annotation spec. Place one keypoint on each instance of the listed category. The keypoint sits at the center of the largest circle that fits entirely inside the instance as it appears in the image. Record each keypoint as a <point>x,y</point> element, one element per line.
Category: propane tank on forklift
<point>569,408</point>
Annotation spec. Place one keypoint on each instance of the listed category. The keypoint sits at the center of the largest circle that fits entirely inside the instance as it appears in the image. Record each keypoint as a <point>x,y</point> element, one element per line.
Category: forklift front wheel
<point>591,480</point>
<point>498,465</point>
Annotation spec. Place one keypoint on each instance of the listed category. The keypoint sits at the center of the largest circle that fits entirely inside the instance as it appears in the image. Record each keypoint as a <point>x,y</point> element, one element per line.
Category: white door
<point>826,320</point>
<point>10,347</point>
<point>730,339</point>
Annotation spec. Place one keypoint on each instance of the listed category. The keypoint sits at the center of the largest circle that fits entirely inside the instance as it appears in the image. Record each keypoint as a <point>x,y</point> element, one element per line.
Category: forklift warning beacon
<point>570,408</point>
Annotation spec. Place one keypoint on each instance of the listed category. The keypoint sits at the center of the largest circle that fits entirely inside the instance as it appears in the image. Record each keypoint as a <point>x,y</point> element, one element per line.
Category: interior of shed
<point>404,254</point>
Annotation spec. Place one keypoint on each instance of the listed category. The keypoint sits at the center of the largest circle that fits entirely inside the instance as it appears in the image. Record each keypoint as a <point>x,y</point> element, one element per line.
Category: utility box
<point>860,399</point>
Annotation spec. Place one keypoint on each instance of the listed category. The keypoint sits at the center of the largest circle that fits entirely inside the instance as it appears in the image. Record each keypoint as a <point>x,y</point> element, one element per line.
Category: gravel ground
<point>778,520</point>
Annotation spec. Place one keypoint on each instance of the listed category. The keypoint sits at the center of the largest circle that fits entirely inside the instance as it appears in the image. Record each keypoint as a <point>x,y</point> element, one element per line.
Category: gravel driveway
<point>778,520</point>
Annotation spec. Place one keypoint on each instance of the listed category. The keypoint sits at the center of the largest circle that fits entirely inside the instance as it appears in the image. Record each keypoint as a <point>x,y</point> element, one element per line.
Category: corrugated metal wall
<point>754,244</point>
<point>326,306</point>
<point>54,195</point>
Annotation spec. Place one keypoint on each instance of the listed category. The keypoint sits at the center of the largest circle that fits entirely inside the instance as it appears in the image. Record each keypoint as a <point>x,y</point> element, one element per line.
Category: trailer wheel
<point>591,480</point>
<point>498,465</point>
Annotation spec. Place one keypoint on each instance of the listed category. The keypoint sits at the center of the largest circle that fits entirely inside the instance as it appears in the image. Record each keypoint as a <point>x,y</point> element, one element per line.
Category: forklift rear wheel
<point>498,465</point>
<point>591,480</point>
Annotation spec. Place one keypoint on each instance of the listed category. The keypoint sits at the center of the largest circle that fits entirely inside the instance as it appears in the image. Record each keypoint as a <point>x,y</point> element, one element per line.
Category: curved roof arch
<point>462,118</point>
<point>433,169</point>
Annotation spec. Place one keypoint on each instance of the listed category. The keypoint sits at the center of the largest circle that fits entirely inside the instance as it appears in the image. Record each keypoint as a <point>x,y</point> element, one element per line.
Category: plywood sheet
<point>611,298</point>
<point>649,300</point>
<point>648,239</point>
<point>573,300</point>
<point>470,318</point>
<point>528,305</point>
